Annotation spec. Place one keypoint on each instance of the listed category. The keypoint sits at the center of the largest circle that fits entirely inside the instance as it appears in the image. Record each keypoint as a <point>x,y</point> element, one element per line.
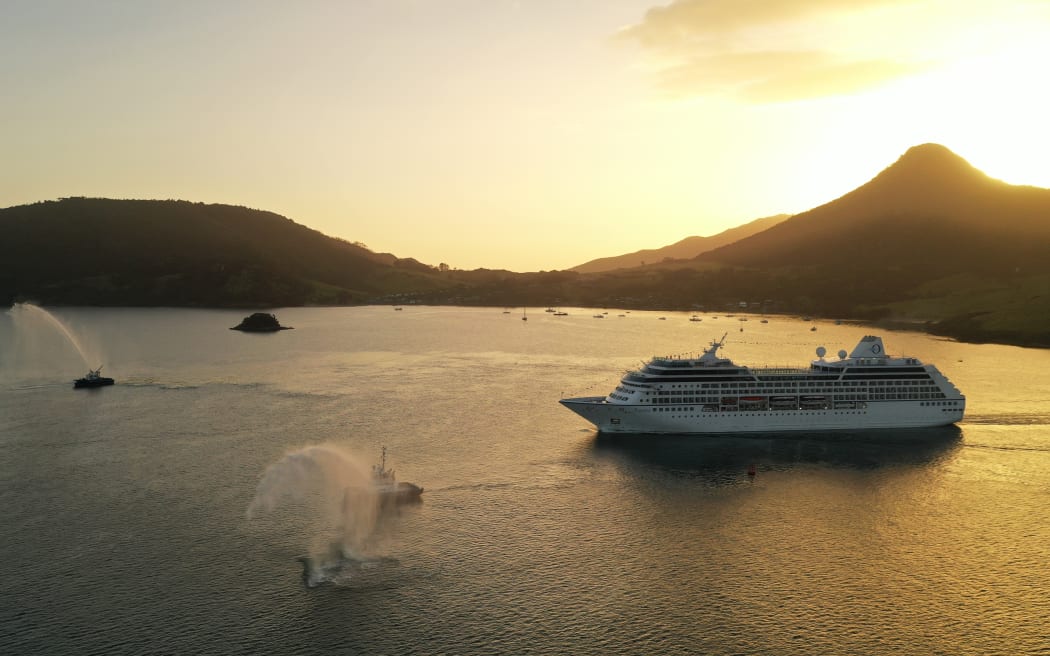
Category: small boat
<point>389,489</point>
<point>94,378</point>
<point>559,313</point>
<point>695,318</point>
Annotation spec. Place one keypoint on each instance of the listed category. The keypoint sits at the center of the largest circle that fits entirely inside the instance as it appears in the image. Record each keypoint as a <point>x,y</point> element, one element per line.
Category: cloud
<point>775,76</point>
<point>687,21</point>
<point>764,50</point>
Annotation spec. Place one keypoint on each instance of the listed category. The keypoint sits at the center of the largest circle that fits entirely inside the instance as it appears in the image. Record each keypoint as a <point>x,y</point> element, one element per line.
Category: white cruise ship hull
<point>626,418</point>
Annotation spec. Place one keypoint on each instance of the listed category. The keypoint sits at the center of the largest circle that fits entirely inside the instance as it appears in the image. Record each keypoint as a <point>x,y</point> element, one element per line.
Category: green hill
<point>930,214</point>
<point>930,238</point>
<point>93,251</point>
<point>929,242</point>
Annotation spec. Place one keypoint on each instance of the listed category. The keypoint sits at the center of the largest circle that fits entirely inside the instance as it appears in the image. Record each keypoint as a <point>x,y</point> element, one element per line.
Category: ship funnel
<point>869,347</point>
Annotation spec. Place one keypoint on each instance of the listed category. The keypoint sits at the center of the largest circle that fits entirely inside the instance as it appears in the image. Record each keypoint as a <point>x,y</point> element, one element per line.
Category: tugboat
<point>94,378</point>
<point>260,322</point>
<point>388,487</point>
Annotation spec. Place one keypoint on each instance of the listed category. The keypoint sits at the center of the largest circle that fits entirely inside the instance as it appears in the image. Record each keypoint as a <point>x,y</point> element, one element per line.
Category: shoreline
<point>963,329</point>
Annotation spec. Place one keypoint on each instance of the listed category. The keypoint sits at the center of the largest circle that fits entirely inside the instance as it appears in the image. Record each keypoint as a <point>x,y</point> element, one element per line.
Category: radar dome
<point>842,354</point>
<point>821,351</point>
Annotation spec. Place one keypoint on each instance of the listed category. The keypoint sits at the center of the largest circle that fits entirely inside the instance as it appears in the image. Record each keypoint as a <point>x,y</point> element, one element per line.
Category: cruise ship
<point>709,394</point>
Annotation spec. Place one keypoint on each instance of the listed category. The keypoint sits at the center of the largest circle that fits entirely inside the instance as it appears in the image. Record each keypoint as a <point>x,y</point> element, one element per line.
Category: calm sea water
<point>125,524</point>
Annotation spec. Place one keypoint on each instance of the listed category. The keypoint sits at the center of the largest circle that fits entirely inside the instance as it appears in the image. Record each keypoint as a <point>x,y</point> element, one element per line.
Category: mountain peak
<point>930,163</point>
<point>928,199</point>
<point>929,151</point>
<point>928,179</point>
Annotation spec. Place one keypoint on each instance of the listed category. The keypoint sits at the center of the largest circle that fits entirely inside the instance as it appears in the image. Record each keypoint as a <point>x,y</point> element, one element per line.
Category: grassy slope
<point>1014,310</point>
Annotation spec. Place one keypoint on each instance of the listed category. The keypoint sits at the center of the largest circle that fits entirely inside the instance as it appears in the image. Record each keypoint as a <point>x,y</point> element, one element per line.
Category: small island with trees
<point>260,322</point>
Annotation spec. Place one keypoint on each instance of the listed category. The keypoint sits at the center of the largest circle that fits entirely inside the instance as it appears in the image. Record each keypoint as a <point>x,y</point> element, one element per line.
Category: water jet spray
<point>333,502</point>
<point>31,325</point>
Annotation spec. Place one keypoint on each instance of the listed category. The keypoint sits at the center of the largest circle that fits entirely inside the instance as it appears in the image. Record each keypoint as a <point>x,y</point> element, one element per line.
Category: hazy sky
<point>525,135</point>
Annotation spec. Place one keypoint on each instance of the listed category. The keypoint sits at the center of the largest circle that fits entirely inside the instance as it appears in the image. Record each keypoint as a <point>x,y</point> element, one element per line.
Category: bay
<point>125,509</point>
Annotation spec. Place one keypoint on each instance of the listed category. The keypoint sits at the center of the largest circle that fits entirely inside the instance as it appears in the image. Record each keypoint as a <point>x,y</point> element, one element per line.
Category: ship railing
<point>803,371</point>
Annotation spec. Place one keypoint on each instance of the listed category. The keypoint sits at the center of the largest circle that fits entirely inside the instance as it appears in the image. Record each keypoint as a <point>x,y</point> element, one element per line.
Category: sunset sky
<point>525,135</point>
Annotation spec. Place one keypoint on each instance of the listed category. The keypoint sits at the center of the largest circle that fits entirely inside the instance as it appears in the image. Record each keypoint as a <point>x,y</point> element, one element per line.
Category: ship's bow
<point>592,408</point>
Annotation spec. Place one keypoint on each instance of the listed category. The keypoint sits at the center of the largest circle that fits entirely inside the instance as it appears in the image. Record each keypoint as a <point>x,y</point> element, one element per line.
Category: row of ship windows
<point>895,387</point>
<point>810,390</point>
<point>822,385</point>
<point>902,390</point>
<point>893,396</point>
<point>754,414</point>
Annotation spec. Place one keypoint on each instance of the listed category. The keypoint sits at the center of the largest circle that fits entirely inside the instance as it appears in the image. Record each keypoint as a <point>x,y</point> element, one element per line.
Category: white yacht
<point>711,394</point>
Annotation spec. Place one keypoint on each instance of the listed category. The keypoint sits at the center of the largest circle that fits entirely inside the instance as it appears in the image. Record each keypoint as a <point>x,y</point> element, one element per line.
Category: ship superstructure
<point>709,394</point>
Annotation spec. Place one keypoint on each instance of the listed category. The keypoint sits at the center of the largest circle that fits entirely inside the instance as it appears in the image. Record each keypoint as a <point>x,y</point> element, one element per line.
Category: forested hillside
<point>95,251</point>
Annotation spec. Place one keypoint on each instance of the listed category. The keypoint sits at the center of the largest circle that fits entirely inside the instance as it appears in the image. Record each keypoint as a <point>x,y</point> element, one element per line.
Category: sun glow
<point>989,108</point>
<point>585,129</point>
<point>1002,129</point>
